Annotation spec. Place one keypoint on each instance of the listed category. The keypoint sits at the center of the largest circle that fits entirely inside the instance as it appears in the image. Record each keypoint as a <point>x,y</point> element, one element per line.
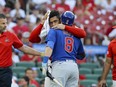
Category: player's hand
<point>59,26</point>
<point>45,17</point>
<point>102,83</point>
<point>44,68</point>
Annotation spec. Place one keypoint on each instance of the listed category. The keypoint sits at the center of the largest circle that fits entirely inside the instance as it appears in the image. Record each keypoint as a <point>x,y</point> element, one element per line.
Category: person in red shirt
<point>20,27</point>
<point>111,58</point>
<point>78,9</point>
<point>62,7</point>
<point>89,4</point>
<point>7,41</point>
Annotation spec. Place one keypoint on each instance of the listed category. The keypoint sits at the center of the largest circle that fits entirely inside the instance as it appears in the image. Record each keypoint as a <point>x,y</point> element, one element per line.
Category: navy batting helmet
<point>67,18</point>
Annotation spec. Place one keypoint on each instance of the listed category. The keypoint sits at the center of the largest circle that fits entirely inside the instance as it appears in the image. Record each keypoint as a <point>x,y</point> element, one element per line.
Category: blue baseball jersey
<point>66,46</point>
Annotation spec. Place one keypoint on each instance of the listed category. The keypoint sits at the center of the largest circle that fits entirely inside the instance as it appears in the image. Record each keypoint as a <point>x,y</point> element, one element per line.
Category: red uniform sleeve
<point>78,32</point>
<point>109,52</point>
<point>34,38</point>
<point>16,41</point>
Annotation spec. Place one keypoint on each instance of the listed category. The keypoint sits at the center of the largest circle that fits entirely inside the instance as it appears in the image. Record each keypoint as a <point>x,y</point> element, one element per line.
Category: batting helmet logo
<point>68,18</point>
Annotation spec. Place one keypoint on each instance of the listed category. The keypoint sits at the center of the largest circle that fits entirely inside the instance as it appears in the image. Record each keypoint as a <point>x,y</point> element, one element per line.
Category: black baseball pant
<point>5,77</point>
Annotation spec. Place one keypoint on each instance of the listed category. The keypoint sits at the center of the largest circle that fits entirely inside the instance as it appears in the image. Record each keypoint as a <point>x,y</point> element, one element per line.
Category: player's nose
<point>54,24</point>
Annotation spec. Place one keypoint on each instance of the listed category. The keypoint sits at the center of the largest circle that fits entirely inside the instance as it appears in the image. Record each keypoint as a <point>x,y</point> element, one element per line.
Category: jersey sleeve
<point>51,36</point>
<point>81,49</point>
<point>34,36</point>
<point>78,32</point>
<point>16,41</point>
<point>109,51</point>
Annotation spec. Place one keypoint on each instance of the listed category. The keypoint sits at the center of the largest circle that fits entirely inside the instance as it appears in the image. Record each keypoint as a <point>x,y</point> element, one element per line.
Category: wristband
<point>45,59</point>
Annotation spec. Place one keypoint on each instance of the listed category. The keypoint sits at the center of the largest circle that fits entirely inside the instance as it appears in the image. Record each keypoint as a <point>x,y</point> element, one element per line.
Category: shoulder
<point>113,42</point>
<point>79,39</point>
<point>8,32</point>
<point>55,30</point>
<point>52,30</point>
<point>11,33</point>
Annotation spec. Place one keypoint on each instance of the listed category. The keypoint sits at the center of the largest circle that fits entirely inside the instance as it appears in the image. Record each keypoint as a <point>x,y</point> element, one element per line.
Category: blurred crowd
<point>96,16</point>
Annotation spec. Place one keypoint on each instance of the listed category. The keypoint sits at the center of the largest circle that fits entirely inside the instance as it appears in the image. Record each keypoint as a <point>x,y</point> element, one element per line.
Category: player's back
<point>66,45</point>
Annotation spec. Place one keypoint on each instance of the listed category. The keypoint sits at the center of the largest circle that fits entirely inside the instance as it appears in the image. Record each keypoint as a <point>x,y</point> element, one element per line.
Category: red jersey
<point>7,40</point>
<point>112,54</point>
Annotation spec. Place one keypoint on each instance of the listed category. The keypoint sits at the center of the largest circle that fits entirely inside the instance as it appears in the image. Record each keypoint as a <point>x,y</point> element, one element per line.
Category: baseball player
<point>110,59</point>
<point>7,40</point>
<point>36,33</point>
<point>63,48</point>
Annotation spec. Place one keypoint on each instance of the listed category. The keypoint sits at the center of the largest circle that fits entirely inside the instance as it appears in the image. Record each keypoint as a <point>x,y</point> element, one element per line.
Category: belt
<point>63,61</point>
<point>4,67</point>
<point>68,60</point>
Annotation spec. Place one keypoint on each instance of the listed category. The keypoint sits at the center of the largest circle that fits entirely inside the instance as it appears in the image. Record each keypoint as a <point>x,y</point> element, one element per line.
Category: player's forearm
<point>35,58</point>
<point>78,32</point>
<point>34,36</point>
<point>106,68</point>
<point>48,51</point>
<point>29,50</point>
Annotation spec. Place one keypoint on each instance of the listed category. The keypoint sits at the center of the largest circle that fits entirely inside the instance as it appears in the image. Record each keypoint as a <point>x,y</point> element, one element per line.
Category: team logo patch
<point>67,21</point>
<point>7,40</point>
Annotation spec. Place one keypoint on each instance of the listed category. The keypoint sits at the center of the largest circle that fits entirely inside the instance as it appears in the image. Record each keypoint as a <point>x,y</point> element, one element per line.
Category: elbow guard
<point>81,56</point>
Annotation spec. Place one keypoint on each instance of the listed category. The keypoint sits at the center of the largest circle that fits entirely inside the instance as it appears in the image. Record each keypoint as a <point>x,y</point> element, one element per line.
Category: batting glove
<point>44,65</point>
<point>44,68</point>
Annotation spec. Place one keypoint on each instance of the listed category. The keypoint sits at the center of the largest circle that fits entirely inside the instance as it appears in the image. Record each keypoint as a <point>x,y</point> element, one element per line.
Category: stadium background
<point>96,16</point>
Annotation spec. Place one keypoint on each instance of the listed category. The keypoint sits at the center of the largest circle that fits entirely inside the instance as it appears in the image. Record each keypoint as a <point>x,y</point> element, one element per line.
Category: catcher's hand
<point>45,17</point>
<point>59,26</point>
